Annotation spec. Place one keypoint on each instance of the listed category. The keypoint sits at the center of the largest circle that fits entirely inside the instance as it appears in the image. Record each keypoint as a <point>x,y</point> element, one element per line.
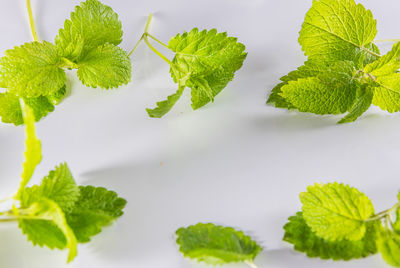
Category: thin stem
<point>31,21</point>
<point>251,264</point>
<point>136,46</point>
<point>155,39</point>
<point>149,19</point>
<point>371,52</point>
<point>386,40</point>
<point>8,220</point>
<point>156,51</point>
<point>6,199</point>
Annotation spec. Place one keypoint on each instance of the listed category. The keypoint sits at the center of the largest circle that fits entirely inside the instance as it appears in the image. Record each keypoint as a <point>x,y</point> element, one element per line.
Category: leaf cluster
<point>344,72</point>
<point>338,222</point>
<point>35,71</point>
<point>58,213</point>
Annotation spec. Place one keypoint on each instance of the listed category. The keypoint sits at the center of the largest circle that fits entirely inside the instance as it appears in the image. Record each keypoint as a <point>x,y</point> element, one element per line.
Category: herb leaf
<point>336,211</point>
<point>336,30</point>
<point>92,24</point>
<point>216,244</point>
<point>45,217</point>
<point>96,208</point>
<point>305,240</point>
<point>363,101</point>
<point>163,107</point>
<point>387,93</point>
<point>59,186</point>
<point>205,62</point>
<point>32,70</point>
<point>386,65</point>
<point>107,66</point>
<point>389,246</point>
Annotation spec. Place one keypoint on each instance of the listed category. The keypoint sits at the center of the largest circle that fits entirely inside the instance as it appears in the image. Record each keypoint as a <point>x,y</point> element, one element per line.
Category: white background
<point>236,162</point>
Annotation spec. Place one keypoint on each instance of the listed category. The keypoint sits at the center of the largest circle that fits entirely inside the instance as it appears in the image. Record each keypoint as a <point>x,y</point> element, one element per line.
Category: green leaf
<point>311,68</point>
<point>386,65</point>
<point>92,24</point>
<point>363,101</point>
<point>312,95</point>
<point>163,107</point>
<point>95,209</point>
<point>389,246</point>
<point>305,240</point>
<point>33,147</point>
<point>32,70</point>
<point>337,30</point>
<point>216,244</point>
<point>59,186</point>
<point>206,62</point>
<point>387,93</point>
<point>107,66</point>
<point>43,219</point>
<point>336,211</point>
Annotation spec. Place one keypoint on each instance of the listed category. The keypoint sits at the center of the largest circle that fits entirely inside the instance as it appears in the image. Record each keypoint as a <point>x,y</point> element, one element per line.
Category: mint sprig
<point>205,61</point>
<point>345,72</point>
<point>58,213</point>
<point>36,71</point>
<point>338,222</point>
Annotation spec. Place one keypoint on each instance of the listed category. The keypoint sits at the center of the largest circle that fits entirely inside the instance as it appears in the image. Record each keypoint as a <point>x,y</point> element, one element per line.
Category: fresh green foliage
<point>205,61</point>
<point>344,71</point>
<point>298,233</point>
<point>58,213</point>
<point>338,222</point>
<point>336,211</point>
<point>36,71</point>
<point>215,245</point>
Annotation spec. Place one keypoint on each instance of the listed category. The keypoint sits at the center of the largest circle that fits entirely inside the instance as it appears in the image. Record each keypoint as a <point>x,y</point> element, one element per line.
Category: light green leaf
<point>46,213</point>
<point>107,66</point>
<point>206,62</point>
<point>96,208</point>
<point>59,186</point>
<point>305,240</point>
<point>337,30</point>
<point>386,65</point>
<point>163,107</point>
<point>92,24</point>
<point>363,101</point>
<point>312,95</point>
<point>336,211</point>
<point>311,68</point>
<point>33,147</point>
<point>32,70</point>
<point>387,93</point>
<point>216,244</point>
<point>389,246</point>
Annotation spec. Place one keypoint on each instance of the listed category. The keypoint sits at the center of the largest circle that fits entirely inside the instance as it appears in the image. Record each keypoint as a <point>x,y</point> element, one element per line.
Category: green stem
<point>371,52</point>
<point>136,46</point>
<point>251,264</point>
<point>158,41</point>
<point>31,21</point>
<point>383,214</point>
<point>386,40</point>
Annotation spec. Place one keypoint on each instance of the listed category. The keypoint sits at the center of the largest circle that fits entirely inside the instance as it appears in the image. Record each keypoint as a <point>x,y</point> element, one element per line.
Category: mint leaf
<point>163,107</point>
<point>363,101</point>
<point>205,62</point>
<point>43,219</point>
<point>386,65</point>
<point>336,30</point>
<point>336,211</point>
<point>107,66</point>
<point>33,147</point>
<point>312,95</point>
<point>305,240</point>
<point>389,246</point>
<point>216,244</point>
<point>92,24</point>
<point>59,186</point>
<point>32,70</point>
<point>96,208</point>
<point>387,93</point>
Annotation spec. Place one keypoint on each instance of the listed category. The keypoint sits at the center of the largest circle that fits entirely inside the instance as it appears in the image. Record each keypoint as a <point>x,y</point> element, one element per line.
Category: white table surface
<point>236,162</point>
